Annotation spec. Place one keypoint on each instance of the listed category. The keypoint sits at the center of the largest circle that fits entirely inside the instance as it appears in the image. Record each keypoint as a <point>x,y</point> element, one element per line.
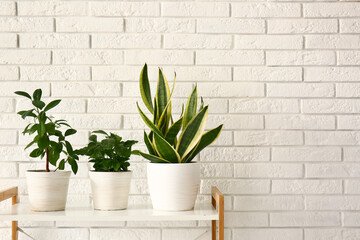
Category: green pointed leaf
<point>152,158</point>
<point>52,105</point>
<point>69,148</point>
<point>162,92</point>
<point>37,94</point>
<point>70,132</point>
<point>148,144</point>
<point>148,122</point>
<point>173,131</point>
<point>28,113</point>
<point>24,94</point>
<point>73,164</point>
<point>36,153</point>
<point>145,89</point>
<point>43,142</point>
<point>38,104</point>
<point>192,133</point>
<point>50,128</point>
<point>62,164</point>
<point>101,132</point>
<point>165,150</point>
<point>206,139</point>
<point>202,104</point>
<point>42,129</point>
<point>190,109</point>
<point>30,144</point>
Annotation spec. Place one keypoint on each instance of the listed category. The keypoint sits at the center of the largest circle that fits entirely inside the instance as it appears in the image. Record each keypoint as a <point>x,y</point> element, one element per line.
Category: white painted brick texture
<point>283,77</point>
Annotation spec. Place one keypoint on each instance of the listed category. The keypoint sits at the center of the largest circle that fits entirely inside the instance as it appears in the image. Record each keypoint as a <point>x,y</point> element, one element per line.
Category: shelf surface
<point>22,212</point>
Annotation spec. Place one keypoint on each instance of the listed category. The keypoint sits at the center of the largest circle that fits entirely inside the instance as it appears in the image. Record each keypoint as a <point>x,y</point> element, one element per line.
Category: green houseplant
<point>171,155</point>
<point>48,188</point>
<point>110,179</point>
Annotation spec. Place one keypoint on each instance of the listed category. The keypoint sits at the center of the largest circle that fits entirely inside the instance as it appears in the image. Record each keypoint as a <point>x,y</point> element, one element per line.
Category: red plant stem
<point>47,160</point>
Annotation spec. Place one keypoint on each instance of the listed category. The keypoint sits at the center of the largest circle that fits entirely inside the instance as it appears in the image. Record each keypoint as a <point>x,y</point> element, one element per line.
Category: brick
<point>115,73</point>
<point>268,74</point>
<point>331,74</point>
<point>332,138</point>
<point>216,170</point>
<point>332,106</point>
<point>13,153</point>
<point>110,105</point>
<point>323,234</point>
<point>332,42</point>
<point>348,122</point>
<point>236,121</point>
<point>230,25</point>
<point>26,24</point>
<point>92,121</point>
<point>334,203</point>
<point>352,186</point>
<point>198,41</point>
<point>223,57</point>
<point>24,56</point>
<point>300,90</point>
<point>264,106</point>
<point>162,57</point>
<point>331,9</point>
<point>268,42</point>
<point>160,25</point>
<point>351,219</point>
<point>69,105</point>
<point>268,234</point>
<point>86,89</point>
<point>306,219</point>
<point>251,219</point>
<point>351,153</point>
<point>268,203</point>
<point>332,170</point>
<point>300,58</point>
<point>7,8</point>
<point>9,73</point>
<point>8,40</point>
<point>195,9</point>
<point>6,105</point>
<point>8,89</point>
<point>266,10</point>
<point>116,9</point>
<point>266,138</point>
<point>231,89</point>
<point>268,170</point>
<point>45,40</point>
<point>235,154</point>
<point>55,73</point>
<point>8,170</point>
<point>193,234</point>
<point>236,186</point>
<point>89,24</point>
<point>125,41</point>
<point>51,8</point>
<point>12,121</point>
<point>306,154</point>
<point>349,57</point>
<point>43,234</point>
<point>83,57</point>
<point>306,186</point>
<point>182,89</point>
<point>302,26</point>
<point>299,122</point>
<point>349,25</point>
<point>7,137</point>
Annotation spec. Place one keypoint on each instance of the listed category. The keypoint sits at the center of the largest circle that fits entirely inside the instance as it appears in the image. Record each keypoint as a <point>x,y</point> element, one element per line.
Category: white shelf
<point>22,212</point>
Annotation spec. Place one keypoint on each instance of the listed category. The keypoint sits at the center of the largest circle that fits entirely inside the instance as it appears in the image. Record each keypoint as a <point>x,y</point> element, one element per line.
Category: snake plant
<point>163,143</point>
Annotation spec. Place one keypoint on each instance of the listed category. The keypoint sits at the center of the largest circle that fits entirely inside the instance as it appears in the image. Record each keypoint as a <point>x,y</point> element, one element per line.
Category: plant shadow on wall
<point>48,189</point>
<point>172,177</point>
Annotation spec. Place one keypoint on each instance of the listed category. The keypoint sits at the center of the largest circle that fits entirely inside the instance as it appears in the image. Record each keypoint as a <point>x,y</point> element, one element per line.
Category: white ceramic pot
<point>110,189</point>
<point>173,187</point>
<point>47,190</point>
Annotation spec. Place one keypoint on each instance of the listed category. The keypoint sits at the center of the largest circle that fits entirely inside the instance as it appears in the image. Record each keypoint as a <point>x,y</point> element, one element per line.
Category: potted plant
<point>48,188</point>
<point>173,178</point>
<point>110,179</point>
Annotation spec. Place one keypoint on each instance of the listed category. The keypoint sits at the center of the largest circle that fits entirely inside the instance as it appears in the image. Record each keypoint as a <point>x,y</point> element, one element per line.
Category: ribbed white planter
<point>110,189</point>
<point>47,190</point>
<point>173,187</point>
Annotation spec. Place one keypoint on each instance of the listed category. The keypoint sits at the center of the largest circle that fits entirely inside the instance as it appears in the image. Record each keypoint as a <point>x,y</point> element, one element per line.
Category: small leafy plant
<point>162,142</point>
<point>110,154</point>
<point>49,139</point>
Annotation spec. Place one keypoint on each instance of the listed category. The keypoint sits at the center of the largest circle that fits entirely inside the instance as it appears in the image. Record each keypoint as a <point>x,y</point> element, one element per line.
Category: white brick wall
<point>283,77</point>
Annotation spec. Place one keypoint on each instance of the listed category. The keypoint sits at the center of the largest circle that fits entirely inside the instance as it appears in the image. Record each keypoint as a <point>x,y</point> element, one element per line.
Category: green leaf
<point>165,150</point>
<point>192,133</point>
<point>36,153</point>
<point>42,129</point>
<point>173,131</point>
<point>27,113</point>
<point>101,132</point>
<point>148,144</point>
<point>152,158</point>
<point>70,132</point>
<point>52,105</point>
<point>148,122</point>
<point>162,92</point>
<point>37,94</point>
<point>73,164</point>
<point>24,94</point>
<point>69,148</point>
<point>206,139</point>
<point>43,142</point>
<point>145,89</point>
<point>190,109</point>
<point>50,128</point>
<point>62,164</point>
<point>33,129</point>
<point>30,144</point>
<point>38,104</point>
<point>93,138</point>
<point>202,104</point>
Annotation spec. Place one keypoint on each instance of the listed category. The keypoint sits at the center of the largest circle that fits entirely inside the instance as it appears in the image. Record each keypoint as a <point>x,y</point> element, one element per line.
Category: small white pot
<point>110,189</point>
<point>173,187</point>
<point>47,190</point>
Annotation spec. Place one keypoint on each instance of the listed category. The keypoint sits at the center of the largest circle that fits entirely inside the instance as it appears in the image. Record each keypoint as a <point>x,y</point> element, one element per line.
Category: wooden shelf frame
<point>214,212</point>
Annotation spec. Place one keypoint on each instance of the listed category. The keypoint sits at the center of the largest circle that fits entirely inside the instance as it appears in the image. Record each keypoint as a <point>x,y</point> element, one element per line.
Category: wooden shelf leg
<point>14,224</point>
<point>217,200</point>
